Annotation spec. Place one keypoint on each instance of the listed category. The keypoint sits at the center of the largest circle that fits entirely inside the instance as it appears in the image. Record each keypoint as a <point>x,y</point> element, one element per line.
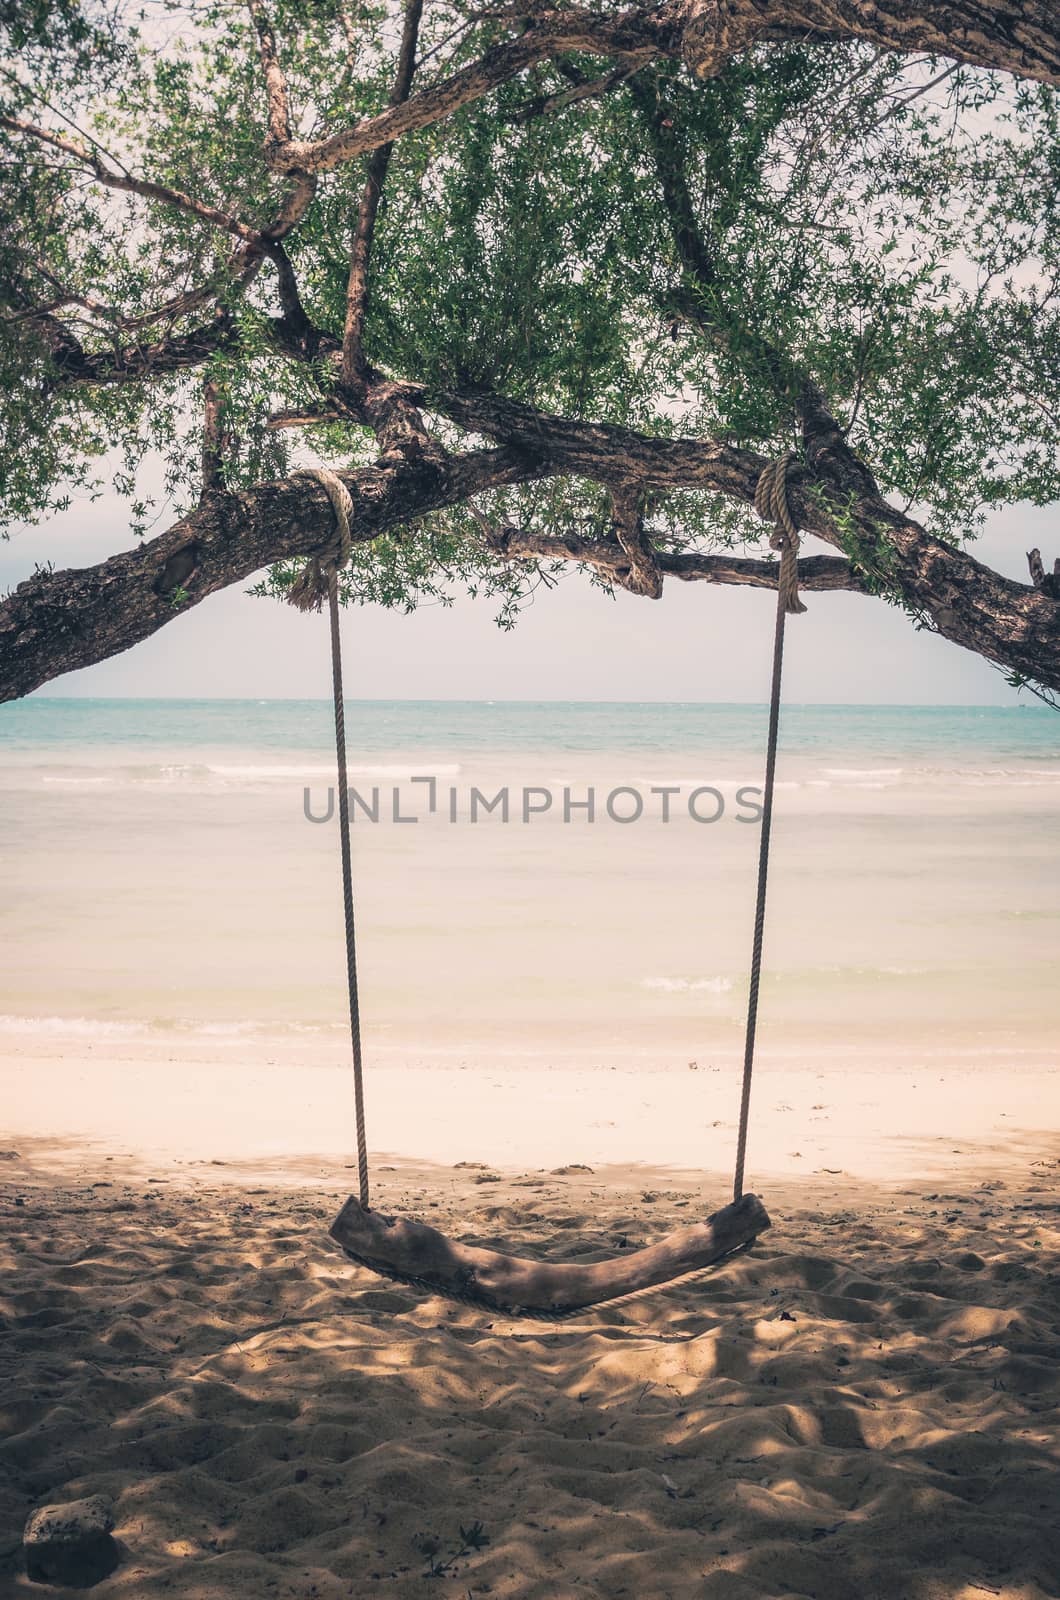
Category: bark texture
<point>56,622</point>
<point>415,1253</point>
<point>1022,38</point>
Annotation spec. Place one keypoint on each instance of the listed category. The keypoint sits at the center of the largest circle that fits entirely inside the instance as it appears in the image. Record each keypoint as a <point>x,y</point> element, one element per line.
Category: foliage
<point>886,227</point>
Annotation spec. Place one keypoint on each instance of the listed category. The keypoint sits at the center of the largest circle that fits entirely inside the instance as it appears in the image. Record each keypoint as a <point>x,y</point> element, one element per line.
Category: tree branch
<point>547,105</point>
<point>132,363</point>
<point>144,187</point>
<point>1014,625</point>
<point>215,440</point>
<point>55,623</point>
<point>300,195</point>
<point>279,114</point>
<point>548,34</point>
<point>59,621</point>
<point>243,263</point>
<point>1019,37</point>
<point>1047,582</point>
<point>824,440</point>
<point>642,563</point>
<point>815,572</point>
<point>357,285</point>
<point>612,561</point>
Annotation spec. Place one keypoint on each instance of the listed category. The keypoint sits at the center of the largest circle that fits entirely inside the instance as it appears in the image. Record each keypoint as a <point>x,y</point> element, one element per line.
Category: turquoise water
<point>949,735</point>
<point>160,878</point>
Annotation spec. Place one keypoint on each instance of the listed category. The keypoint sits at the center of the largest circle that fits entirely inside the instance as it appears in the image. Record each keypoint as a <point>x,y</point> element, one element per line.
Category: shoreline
<point>857,1119</point>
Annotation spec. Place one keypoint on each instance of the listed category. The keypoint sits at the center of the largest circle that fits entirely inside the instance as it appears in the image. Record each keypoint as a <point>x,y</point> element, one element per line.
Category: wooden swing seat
<point>414,1253</point>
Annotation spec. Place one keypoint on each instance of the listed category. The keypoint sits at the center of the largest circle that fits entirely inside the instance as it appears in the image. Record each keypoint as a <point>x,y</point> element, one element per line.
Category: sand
<point>863,1406</point>
<point>875,1117</point>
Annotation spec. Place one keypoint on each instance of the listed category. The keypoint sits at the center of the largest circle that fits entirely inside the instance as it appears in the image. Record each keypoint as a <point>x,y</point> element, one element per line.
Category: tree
<point>549,286</point>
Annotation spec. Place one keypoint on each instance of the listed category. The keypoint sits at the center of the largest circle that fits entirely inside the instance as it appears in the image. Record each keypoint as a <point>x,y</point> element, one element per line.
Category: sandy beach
<point>509,1091</point>
<point>864,1404</point>
<point>862,1407</point>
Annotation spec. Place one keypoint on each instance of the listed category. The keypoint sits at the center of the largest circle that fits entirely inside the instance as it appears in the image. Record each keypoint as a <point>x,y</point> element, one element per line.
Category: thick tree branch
<point>815,572</point>
<point>137,361</point>
<point>1013,624</point>
<point>1021,37</point>
<point>55,623</point>
<point>59,621</point>
<point>602,451</point>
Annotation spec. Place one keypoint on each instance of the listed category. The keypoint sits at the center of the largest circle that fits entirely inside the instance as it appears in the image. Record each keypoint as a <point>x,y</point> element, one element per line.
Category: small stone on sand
<point>71,1543</point>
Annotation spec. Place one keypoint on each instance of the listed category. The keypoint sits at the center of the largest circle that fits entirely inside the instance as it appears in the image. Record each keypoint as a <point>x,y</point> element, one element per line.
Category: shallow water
<point>161,878</point>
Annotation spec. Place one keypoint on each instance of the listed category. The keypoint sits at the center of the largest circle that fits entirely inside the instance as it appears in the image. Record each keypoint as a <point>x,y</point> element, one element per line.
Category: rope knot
<point>771,503</point>
<point>310,588</point>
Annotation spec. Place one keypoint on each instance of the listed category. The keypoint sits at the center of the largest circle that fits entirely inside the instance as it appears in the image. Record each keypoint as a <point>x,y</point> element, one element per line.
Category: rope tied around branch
<point>771,503</point>
<point>310,588</point>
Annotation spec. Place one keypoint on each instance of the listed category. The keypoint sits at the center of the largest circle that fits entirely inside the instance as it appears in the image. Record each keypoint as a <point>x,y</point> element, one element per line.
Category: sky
<point>699,642</point>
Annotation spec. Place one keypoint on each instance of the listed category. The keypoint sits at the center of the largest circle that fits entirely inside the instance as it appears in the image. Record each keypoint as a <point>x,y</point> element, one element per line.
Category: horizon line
<point>521,700</point>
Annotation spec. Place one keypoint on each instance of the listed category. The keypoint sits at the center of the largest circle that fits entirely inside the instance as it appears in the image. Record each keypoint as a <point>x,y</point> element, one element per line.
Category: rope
<point>310,589</point>
<point>771,501</point>
<point>320,579</point>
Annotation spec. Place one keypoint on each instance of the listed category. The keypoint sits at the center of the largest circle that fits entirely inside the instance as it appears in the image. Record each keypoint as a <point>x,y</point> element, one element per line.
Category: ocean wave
<point>835,970</point>
<point>73,1027</point>
<point>256,773</point>
<point>934,778</point>
<point>176,774</point>
<point>363,770</point>
<point>688,985</point>
<point>84,781</point>
<point>159,1027</point>
<point>858,773</point>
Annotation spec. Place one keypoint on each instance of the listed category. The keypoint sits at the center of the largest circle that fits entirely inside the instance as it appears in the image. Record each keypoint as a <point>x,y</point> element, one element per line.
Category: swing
<point>411,1252</point>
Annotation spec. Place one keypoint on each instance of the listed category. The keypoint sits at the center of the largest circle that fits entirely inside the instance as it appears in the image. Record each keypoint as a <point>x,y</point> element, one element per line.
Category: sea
<point>534,880</point>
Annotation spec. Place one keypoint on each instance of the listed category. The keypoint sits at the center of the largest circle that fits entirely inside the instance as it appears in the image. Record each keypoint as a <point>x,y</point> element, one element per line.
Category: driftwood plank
<point>417,1254</point>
